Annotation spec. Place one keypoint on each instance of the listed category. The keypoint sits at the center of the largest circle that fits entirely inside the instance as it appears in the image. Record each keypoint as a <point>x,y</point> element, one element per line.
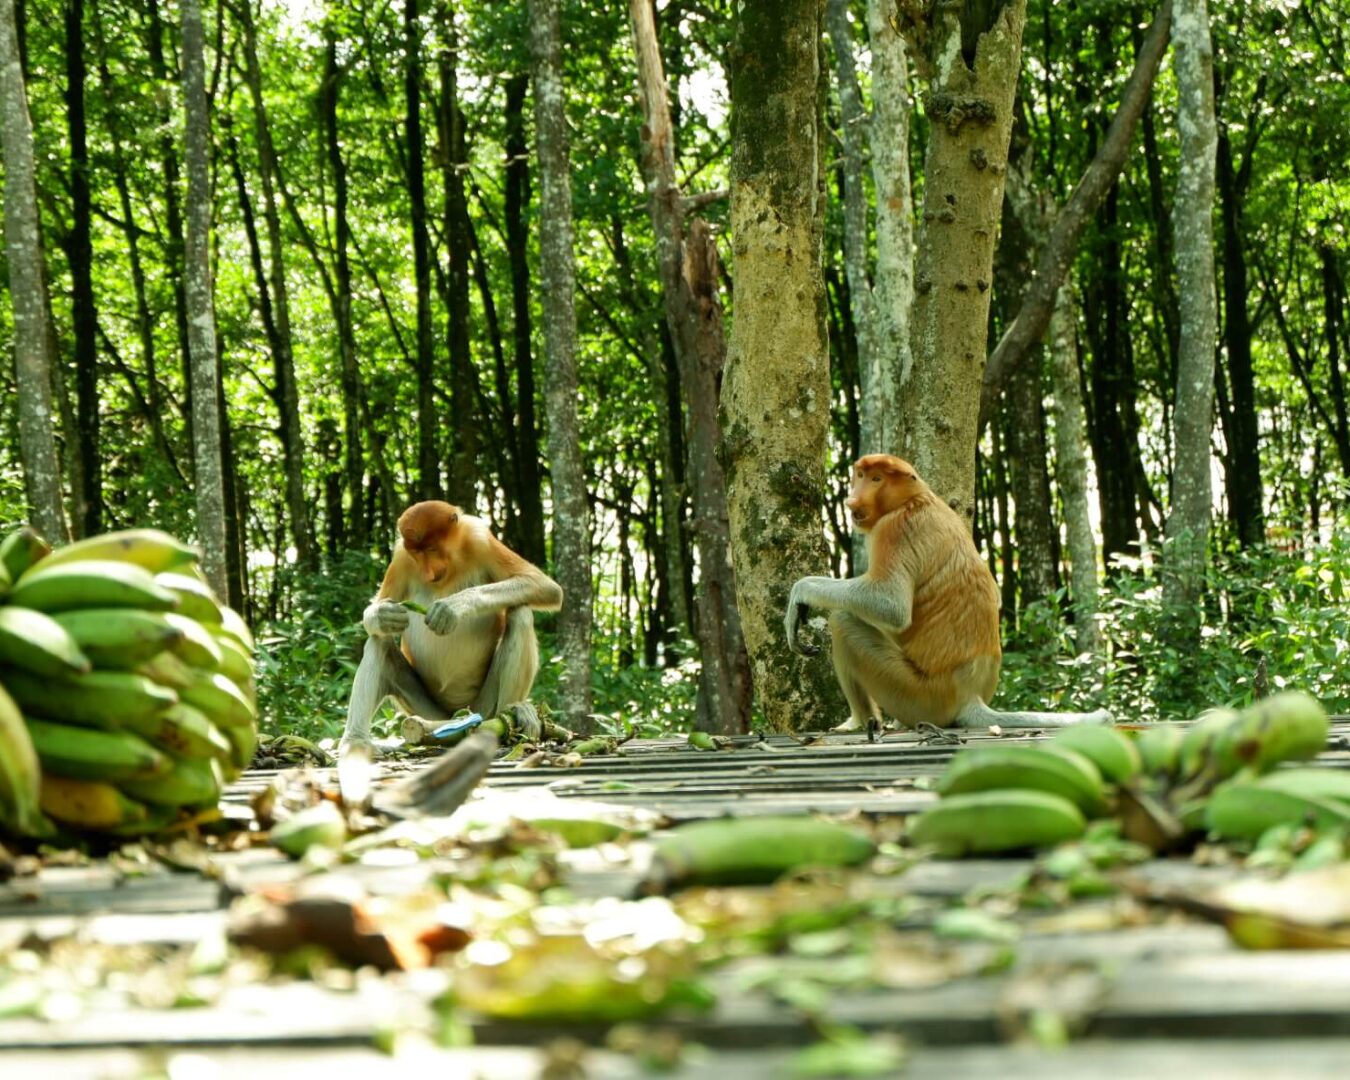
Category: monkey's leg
<point>976,714</point>
<point>847,649</point>
<point>514,665</point>
<point>383,672</point>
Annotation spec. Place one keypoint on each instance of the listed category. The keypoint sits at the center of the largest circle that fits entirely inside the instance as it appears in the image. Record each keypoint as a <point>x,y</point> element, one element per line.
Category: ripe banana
<point>220,699</point>
<point>195,598</point>
<point>1114,754</point>
<point>198,646</point>
<point>90,583</point>
<point>90,754</point>
<point>101,699</point>
<point>89,804</point>
<point>189,782</point>
<point>995,821</point>
<point>1243,810</point>
<point>119,638</point>
<point>150,549</point>
<point>184,732</point>
<point>1289,726</point>
<point>21,549</point>
<point>1061,772</point>
<point>1159,747</point>
<point>37,643</point>
<point>20,813</point>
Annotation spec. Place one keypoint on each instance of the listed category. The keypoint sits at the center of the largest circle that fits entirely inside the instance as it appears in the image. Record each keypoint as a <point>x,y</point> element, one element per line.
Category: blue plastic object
<point>457,727</point>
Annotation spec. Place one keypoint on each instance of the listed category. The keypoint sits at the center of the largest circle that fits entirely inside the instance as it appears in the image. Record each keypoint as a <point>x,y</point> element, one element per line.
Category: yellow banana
<point>198,646</point>
<point>101,699</point>
<point>992,821</point>
<point>90,583</point>
<point>120,638</point>
<point>37,643</point>
<point>1062,772</point>
<point>189,782</point>
<point>21,549</point>
<point>195,598</point>
<point>89,804</point>
<point>90,754</point>
<point>150,549</point>
<point>19,775</point>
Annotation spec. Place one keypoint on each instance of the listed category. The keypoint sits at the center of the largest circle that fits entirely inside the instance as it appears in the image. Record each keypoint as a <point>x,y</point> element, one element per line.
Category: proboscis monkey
<point>917,635</point>
<point>474,648</point>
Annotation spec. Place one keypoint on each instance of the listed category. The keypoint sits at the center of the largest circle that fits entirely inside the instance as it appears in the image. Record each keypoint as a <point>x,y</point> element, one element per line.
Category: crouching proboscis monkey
<point>917,635</point>
<point>474,648</point>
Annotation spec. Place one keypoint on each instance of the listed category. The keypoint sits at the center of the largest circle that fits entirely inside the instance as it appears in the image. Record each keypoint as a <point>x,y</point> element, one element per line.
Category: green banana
<point>195,598</point>
<point>120,638</point>
<point>1289,726</point>
<point>89,754</point>
<point>5,581</point>
<point>189,782</point>
<point>1059,771</point>
<point>753,850</point>
<point>220,699</point>
<point>235,664</point>
<point>1114,754</point>
<point>89,804</point>
<point>168,670</point>
<point>1332,785</point>
<point>1159,747</point>
<point>243,742</point>
<point>1196,755</point>
<point>1243,810</point>
<point>232,624</point>
<point>38,643</point>
<point>151,549</point>
<point>997,821</point>
<point>20,775</point>
<point>101,699</point>
<point>184,732</point>
<point>88,584</point>
<point>198,646</point>
<point>21,549</point>
<point>321,823</point>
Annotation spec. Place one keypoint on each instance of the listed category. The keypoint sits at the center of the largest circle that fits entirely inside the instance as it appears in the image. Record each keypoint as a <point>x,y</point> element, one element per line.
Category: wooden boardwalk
<point>1155,995</point>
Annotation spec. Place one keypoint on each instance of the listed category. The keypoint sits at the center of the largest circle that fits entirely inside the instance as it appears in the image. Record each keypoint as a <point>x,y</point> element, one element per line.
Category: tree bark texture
<point>688,266</point>
<point>27,294</point>
<point>1192,214</point>
<point>975,52</point>
<point>571,508</point>
<point>776,391</point>
<point>206,427</point>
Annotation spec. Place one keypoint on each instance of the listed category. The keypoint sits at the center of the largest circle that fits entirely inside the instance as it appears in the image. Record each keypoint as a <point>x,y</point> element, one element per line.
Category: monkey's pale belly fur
<point>453,666</point>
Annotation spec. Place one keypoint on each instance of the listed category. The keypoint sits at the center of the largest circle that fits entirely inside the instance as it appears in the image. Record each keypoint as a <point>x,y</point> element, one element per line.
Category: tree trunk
<point>688,266</point>
<point>776,391</point>
<point>1192,495</point>
<point>27,294</point>
<point>80,250</point>
<point>571,509</point>
<point>206,429</point>
<point>428,456</point>
<point>975,50</point>
<point>287,394</point>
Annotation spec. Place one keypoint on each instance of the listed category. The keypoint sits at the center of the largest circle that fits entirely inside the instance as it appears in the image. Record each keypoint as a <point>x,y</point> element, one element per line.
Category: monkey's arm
<point>385,615</point>
<point>886,604</point>
<point>513,582</point>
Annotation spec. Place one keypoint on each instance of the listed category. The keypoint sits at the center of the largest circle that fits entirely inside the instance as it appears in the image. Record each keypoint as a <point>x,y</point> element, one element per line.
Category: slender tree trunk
<point>776,391</point>
<point>975,50</point>
<point>571,509</point>
<point>688,266</point>
<point>80,250</point>
<point>1192,495</point>
<point>27,294</point>
<point>287,394</point>
<point>206,427</point>
<point>1333,304</point>
<point>358,530</point>
<point>428,456</point>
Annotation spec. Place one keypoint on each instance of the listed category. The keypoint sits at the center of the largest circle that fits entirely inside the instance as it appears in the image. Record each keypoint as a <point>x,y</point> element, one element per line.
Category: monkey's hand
<point>445,613</point>
<point>384,618</point>
<point>797,612</point>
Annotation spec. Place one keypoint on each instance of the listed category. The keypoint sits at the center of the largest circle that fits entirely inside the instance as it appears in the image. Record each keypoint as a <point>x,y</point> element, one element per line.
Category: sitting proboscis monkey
<point>917,635</point>
<point>474,648</point>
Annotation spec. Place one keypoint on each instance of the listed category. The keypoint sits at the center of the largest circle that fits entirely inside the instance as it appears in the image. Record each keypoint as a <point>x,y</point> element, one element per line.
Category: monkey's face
<point>428,532</point>
<point>881,483</point>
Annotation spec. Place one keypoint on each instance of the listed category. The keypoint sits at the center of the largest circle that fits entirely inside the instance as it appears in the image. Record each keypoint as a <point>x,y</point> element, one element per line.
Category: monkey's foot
<point>357,743</point>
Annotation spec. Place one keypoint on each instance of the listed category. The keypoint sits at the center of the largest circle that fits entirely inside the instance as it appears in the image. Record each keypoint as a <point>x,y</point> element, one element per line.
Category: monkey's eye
<point>876,479</point>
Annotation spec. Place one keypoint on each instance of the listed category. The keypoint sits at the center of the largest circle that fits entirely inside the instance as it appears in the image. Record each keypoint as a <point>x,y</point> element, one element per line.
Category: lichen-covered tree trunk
<point>27,294</point>
<point>1071,470</point>
<point>1193,229</point>
<point>208,472</point>
<point>975,51</point>
<point>776,392</point>
<point>688,264</point>
<point>571,510</point>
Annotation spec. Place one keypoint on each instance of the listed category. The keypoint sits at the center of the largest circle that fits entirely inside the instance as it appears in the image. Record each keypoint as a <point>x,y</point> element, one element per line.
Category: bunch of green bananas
<point>126,687</point>
<point>1172,780</point>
